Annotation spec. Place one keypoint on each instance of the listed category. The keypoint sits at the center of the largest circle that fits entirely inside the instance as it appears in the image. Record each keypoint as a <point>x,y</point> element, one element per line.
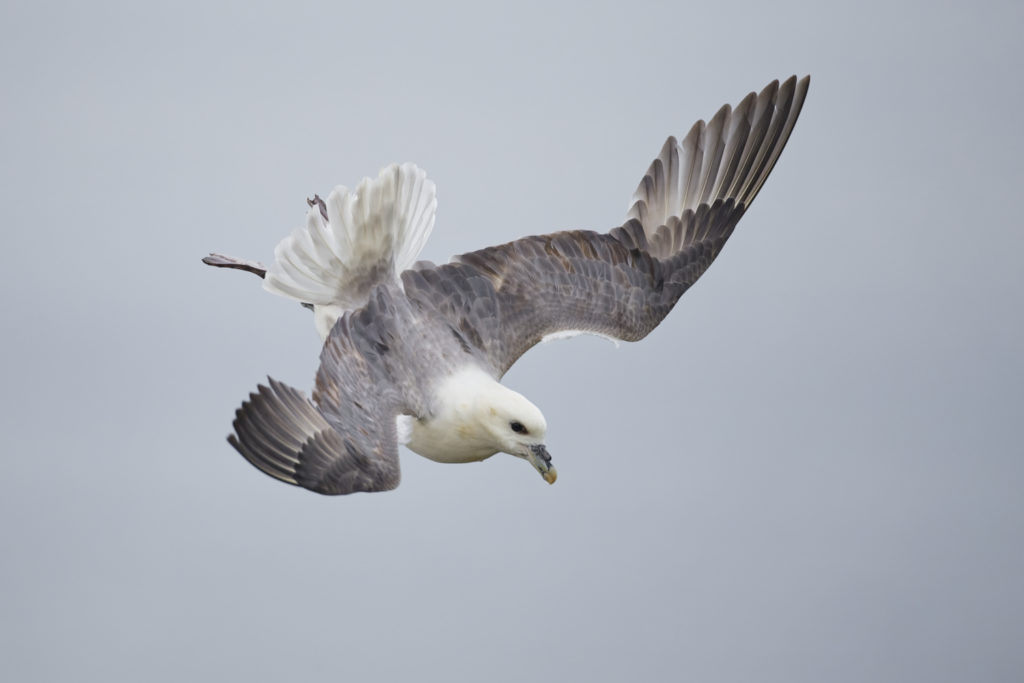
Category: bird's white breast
<point>455,433</point>
<point>448,441</point>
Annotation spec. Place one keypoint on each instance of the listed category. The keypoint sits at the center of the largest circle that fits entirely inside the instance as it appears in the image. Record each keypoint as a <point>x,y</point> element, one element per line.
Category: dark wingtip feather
<point>728,158</point>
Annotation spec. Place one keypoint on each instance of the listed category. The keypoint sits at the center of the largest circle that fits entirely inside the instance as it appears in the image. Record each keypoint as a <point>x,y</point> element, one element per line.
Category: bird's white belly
<point>440,441</point>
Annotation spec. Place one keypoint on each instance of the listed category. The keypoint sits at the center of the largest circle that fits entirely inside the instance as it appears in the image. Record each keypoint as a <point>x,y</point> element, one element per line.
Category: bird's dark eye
<point>517,427</point>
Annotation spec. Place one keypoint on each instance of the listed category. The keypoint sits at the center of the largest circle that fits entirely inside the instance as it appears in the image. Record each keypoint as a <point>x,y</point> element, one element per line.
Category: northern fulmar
<point>414,353</point>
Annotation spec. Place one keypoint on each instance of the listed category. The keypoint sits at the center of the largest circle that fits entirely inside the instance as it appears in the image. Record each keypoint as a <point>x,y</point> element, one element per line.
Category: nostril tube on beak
<point>541,452</point>
<point>540,458</point>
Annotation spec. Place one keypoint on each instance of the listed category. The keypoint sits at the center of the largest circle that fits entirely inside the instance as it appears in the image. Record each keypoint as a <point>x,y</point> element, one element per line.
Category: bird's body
<point>414,353</point>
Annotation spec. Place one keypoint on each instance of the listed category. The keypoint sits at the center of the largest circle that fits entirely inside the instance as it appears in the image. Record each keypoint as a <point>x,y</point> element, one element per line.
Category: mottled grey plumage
<point>372,369</point>
<point>505,299</point>
<point>490,306</point>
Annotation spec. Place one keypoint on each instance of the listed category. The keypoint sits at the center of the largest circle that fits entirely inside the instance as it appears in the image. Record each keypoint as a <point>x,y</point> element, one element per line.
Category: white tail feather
<point>370,236</point>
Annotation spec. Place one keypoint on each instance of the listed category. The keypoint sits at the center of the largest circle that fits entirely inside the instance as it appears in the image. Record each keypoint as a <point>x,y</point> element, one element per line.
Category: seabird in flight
<point>414,353</point>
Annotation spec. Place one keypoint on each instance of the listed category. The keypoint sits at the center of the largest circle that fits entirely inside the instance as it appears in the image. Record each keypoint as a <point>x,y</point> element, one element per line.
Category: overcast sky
<point>811,471</point>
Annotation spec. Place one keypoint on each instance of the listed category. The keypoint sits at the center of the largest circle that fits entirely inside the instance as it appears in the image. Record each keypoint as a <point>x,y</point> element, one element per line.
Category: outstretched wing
<point>346,439</point>
<point>506,299</point>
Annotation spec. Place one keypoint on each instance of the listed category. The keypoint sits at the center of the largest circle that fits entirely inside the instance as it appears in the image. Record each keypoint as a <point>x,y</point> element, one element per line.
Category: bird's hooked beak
<point>540,458</point>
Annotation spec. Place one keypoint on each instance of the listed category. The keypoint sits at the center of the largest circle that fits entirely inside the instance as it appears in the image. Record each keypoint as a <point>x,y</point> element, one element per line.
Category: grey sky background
<point>812,471</point>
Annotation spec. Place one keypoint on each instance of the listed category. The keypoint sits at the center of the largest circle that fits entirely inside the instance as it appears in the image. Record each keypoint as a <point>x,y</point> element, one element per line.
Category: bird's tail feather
<point>356,239</point>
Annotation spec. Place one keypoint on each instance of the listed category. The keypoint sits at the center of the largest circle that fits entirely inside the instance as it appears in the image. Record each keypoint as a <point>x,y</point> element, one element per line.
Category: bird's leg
<point>221,261</point>
<point>319,203</point>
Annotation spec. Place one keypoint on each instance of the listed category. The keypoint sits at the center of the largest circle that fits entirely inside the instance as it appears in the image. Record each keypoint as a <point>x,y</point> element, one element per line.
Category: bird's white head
<point>516,426</point>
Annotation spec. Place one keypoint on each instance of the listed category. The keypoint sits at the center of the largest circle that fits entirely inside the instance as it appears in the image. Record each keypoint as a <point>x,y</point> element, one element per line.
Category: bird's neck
<point>458,431</point>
